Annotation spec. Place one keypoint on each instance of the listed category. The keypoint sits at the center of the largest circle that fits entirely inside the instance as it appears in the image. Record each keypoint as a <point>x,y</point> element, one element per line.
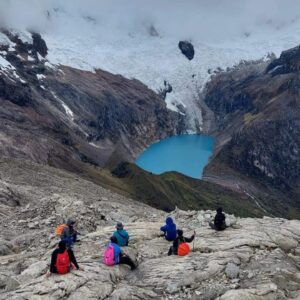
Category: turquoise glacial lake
<point>187,154</point>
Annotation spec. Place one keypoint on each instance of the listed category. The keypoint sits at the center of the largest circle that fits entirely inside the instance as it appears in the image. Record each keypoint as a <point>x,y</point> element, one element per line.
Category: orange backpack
<point>59,229</point>
<point>183,249</point>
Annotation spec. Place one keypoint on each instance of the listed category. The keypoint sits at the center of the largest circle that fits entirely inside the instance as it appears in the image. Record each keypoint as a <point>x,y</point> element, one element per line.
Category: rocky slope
<point>256,259</point>
<point>256,113</point>
<point>60,115</point>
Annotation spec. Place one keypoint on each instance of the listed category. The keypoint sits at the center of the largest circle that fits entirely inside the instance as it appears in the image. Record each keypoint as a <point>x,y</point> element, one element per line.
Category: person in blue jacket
<point>121,234</point>
<point>119,256</point>
<point>169,230</point>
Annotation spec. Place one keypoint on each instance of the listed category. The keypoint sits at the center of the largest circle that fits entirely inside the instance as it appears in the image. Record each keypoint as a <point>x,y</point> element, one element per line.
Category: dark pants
<point>126,260</point>
<point>165,236</point>
<point>218,228</point>
<point>171,251</point>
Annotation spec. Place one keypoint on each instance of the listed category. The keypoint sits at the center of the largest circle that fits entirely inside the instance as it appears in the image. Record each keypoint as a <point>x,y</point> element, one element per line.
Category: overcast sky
<point>180,18</point>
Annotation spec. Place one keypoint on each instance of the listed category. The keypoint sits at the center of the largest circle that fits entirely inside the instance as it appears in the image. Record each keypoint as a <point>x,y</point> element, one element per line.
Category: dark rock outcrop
<point>257,117</point>
<point>289,61</point>
<point>165,90</point>
<point>71,115</point>
<point>187,49</point>
<point>39,45</point>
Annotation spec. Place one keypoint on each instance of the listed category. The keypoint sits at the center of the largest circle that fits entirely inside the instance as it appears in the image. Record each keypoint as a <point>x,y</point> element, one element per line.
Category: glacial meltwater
<point>187,154</point>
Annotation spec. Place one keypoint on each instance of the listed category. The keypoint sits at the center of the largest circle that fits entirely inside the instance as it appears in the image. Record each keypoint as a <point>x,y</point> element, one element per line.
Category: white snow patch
<point>5,65</point>
<point>23,35</point>
<point>12,47</point>
<point>9,69</point>
<point>274,69</point>
<point>67,109</point>
<point>20,57</point>
<point>4,40</point>
<point>40,76</point>
<point>30,58</point>
<point>49,65</point>
<point>15,74</point>
<point>42,87</point>
<point>94,145</point>
<point>40,57</point>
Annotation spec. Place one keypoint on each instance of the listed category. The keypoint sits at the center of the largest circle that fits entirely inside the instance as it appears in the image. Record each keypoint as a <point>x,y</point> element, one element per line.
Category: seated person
<point>169,230</point>
<point>69,234</point>
<point>180,239</point>
<point>119,257</point>
<point>62,260</point>
<point>219,221</point>
<point>121,234</point>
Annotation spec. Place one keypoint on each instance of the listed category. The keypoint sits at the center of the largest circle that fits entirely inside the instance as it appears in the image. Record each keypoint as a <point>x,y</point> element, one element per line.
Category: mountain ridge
<point>256,118</point>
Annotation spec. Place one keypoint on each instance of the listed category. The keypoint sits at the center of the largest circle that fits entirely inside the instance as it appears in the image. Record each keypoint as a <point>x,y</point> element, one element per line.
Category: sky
<point>188,19</point>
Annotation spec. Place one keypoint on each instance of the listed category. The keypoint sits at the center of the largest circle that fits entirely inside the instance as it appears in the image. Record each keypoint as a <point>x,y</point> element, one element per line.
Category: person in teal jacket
<point>121,235</point>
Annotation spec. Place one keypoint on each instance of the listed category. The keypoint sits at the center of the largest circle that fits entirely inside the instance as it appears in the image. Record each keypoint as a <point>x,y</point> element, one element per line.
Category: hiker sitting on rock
<point>121,234</point>
<point>62,260</point>
<point>219,221</point>
<point>169,230</point>
<point>69,234</point>
<point>180,244</point>
<point>113,255</point>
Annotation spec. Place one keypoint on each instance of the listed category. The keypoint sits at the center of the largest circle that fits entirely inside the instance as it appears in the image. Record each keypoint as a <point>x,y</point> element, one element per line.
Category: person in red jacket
<point>63,260</point>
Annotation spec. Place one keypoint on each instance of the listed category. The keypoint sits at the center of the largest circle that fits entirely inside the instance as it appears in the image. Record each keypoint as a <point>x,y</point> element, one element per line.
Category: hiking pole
<point>194,241</point>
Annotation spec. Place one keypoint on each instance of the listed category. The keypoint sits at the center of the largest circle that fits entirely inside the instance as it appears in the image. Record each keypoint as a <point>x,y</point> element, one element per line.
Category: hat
<point>119,225</point>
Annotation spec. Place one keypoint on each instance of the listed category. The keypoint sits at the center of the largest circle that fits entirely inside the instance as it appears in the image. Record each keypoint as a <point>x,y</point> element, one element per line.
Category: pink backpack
<point>109,256</point>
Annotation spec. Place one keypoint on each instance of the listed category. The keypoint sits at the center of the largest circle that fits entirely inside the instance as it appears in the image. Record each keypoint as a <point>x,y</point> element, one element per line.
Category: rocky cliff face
<point>60,115</point>
<point>255,259</point>
<point>257,112</point>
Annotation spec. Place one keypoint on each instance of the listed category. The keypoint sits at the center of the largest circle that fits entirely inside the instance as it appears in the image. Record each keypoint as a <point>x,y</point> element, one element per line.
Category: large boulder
<point>187,49</point>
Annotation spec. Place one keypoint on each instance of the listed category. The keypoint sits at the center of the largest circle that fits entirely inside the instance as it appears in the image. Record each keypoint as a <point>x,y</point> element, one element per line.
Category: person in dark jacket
<point>219,221</point>
<point>62,247</point>
<point>69,234</point>
<point>119,256</point>
<point>169,230</point>
<point>180,239</point>
<point>121,234</point>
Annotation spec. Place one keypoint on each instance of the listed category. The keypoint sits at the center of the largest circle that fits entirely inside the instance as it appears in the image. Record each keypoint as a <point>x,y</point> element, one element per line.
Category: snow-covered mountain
<point>139,39</point>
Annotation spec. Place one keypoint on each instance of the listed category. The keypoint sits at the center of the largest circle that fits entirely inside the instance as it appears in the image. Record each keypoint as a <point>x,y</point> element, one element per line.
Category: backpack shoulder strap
<point>121,235</point>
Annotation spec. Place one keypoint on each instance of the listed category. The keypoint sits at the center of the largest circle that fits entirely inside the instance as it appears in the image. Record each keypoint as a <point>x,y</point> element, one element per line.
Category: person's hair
<point>70,222</point>
<point>219,209</point>
<point>62,245</point>
<point>179,232</point>
<point>114,240</point>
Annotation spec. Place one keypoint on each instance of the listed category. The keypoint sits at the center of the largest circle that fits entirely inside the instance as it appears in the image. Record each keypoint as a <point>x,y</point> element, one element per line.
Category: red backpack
<point>63,263</point>
<point>183,249</point>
